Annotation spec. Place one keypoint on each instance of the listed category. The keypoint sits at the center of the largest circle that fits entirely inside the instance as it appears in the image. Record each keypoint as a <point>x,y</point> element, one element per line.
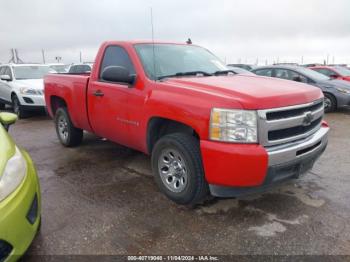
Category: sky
<point>247,31</point>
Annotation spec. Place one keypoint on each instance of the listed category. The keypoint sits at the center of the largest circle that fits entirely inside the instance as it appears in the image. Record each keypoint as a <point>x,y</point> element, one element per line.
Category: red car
<point>206,128</point>
<point>334,72</point>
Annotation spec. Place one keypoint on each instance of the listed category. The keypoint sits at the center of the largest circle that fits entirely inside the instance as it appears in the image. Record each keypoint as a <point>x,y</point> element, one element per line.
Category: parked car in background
<point>244,66</point>
<point>20,201</point>
<point>59,68</point>
<point>80,68</point>
<point>334,72</point>
<point>206,129</point>
<point>336,92</point>
<point>313,64</point>
<point>239,70</point>
<point>21,85</point>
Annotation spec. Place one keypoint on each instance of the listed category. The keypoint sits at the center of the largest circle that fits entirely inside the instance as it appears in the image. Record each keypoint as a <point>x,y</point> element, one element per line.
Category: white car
<point>21,85</point>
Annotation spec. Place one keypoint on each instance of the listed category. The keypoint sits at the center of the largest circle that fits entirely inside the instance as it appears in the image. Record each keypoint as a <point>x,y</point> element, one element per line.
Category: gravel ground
<point>100,198</point>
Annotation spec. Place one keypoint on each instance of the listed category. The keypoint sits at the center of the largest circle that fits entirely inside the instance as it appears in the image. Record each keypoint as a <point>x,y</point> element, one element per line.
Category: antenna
<point>153,47</point>
<point>43,54</point>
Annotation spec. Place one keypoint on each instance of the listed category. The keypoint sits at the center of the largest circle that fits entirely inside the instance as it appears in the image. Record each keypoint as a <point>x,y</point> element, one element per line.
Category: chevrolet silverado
<point>207,129</point>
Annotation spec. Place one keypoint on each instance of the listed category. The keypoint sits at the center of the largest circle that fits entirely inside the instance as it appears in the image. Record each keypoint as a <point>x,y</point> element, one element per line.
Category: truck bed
<point>73,87</point>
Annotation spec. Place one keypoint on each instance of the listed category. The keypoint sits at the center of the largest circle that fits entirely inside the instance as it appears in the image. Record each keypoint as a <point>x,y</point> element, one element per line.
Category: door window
<point>116,56</point>
<point>2,70</point>
<point>283,73</point>
<point>326,72</point>
<point>264,72</point>
<point>290,75</point>
<point>7,71</point>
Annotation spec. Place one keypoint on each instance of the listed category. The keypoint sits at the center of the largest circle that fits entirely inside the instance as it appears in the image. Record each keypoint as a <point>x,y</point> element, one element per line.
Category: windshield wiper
<point>190,73</point>
<point>224,72</point>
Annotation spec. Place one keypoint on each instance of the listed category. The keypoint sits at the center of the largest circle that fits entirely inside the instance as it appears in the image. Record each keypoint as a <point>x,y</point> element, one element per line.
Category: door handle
<point>99,93</point>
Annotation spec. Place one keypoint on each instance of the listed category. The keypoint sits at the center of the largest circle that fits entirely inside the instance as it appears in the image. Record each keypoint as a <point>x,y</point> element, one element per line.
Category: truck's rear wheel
<point>178,170</point>
<point>68,134</point>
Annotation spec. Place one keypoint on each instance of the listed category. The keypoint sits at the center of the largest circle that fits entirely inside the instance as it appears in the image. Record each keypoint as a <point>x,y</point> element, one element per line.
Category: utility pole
<point>19,60</point>
<point>43,54</point>
<point>302,60</point>
<point>15,57</point>
<point>80,57</point>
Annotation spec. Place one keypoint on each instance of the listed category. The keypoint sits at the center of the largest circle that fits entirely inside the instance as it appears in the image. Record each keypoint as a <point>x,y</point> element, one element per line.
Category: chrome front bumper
<point>285,162</point>
<point>298,150</point>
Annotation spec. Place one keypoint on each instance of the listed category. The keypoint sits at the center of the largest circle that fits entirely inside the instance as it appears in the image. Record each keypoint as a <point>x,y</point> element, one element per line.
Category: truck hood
<point>31,83</point>
<point>252,92</point>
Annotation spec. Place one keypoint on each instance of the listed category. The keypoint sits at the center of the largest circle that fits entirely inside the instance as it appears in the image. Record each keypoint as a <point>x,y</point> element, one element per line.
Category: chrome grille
<point>286,124</point>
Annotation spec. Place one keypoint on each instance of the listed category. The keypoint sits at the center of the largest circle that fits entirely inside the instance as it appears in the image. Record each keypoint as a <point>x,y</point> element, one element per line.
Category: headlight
<point>14,173</point>
<point>343,90</point>
<point>29,91</point>
<point>239,126</point>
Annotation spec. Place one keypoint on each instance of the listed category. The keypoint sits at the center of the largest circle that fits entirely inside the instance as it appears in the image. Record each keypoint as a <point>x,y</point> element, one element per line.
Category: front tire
<point>178,170</point>
<point>67,133</point>
<point>18,108</point>
<point>330,103</point>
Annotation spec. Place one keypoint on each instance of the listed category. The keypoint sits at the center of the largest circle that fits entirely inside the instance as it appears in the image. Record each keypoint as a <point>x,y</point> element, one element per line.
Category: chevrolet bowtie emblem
<point>308,119</point>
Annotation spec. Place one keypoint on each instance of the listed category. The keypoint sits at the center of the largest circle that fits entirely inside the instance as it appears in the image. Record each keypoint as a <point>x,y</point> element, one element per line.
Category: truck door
<point>107,101</point>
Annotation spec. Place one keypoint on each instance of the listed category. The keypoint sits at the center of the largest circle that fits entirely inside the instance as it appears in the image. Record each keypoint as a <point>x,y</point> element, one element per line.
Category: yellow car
<point>20,200</point>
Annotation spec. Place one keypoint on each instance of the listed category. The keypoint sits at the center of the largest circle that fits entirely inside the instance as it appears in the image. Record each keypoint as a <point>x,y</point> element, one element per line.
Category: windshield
<point>171,59</point>
<point>342,71</point>
<point>31,72</point>
<point>312,74</point>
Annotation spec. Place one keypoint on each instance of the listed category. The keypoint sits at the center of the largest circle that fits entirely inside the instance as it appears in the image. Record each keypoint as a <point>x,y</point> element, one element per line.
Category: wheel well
<point>56,103</point>
<point>12,95</point>
<point>159,127</point>
<point>335,99</point>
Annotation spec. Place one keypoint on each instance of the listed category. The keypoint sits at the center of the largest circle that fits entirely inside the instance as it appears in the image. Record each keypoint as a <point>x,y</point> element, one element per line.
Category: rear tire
<point>178,170</point>
<point>330,103</point>
<point>67,133</point>
<point>18,108</point>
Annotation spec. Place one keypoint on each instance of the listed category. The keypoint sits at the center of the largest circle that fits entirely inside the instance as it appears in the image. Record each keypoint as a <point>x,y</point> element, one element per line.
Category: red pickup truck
<point>206,128</point>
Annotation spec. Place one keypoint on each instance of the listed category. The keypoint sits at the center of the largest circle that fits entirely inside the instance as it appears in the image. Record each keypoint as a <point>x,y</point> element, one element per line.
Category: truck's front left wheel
<point>178,170</point>
<point>67,133</point>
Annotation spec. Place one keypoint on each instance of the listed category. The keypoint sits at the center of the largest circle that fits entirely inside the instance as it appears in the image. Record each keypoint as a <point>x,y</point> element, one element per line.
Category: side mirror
<point>334,76</point>
<point>7,119</point>
<point>5,77</point>
<point>118,74</point>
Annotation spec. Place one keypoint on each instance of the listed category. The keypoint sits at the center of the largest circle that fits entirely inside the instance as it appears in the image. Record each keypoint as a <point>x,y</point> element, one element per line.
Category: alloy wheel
<point>173,171</point>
